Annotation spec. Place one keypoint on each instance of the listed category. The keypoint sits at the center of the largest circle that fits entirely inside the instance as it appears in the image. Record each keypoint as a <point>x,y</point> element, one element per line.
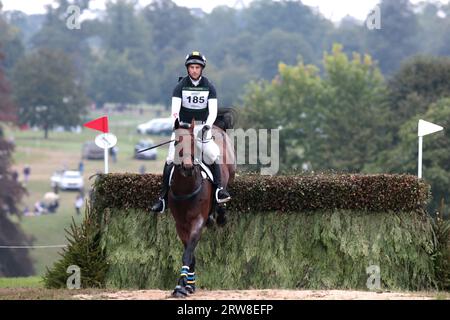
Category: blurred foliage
<point>12,262</point>
<point>403,157</point>
<point>47,92</point>
<point>441,229</point>
<point>335,121</point>
<point>83,251</point>
<point>341,111</point>
<point>240,44</point>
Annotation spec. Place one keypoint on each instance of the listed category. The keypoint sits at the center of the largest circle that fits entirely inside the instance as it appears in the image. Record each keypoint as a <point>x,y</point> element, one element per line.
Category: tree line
<point>345,97</point>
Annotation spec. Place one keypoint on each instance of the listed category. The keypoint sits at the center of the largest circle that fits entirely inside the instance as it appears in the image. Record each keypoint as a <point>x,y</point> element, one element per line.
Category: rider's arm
<point>176,101</point>
<point>176,106</point>
<point>212,106</point>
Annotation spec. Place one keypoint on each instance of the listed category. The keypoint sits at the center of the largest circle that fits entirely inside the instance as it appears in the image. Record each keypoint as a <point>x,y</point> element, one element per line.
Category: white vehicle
<point>142,128</point>
<point>67,180</point>
<point>156,126</point>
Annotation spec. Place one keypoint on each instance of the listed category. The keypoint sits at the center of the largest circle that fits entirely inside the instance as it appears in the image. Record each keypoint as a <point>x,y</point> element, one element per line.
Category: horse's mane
<point>226,118</point>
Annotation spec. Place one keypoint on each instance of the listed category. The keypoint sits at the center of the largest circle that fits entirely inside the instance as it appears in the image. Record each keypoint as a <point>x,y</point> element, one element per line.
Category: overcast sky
<point>331,9</point>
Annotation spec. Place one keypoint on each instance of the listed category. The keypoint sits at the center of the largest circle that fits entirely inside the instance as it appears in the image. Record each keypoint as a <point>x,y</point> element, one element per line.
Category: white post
<point>420,157</point>
<point>106,159</point>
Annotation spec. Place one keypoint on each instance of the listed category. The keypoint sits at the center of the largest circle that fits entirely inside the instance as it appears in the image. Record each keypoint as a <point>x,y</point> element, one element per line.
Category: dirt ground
<point>266,295</point>
<point>109,294</point>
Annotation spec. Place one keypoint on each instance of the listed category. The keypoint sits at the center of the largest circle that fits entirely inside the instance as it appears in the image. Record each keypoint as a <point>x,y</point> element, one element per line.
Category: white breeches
<point>208,148</point>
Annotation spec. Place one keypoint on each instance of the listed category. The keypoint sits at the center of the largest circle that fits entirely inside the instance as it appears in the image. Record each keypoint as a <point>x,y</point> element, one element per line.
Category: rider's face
<point>195,71</point>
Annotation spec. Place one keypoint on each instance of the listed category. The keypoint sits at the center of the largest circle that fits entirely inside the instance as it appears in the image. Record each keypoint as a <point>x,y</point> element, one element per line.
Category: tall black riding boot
<point>222,195</point>
<point>161,205</point>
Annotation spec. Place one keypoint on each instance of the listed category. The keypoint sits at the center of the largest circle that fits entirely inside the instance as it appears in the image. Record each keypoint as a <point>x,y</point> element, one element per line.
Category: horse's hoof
<point>190,289</point>
<point>179,292</point>
<point>221,220</point>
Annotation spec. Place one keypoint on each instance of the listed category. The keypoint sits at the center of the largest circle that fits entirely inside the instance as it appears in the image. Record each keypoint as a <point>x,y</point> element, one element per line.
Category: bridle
<point>195,169</point>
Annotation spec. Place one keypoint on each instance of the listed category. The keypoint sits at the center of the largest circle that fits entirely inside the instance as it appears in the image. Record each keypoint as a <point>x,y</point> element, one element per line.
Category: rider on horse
<point>194,98</point>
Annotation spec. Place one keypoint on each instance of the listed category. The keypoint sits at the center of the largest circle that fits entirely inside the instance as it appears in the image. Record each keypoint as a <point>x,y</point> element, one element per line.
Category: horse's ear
<point>177,124</point>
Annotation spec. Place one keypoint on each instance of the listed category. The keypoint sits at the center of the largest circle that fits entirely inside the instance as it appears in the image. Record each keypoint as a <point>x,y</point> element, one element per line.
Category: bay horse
<point>191,197</point>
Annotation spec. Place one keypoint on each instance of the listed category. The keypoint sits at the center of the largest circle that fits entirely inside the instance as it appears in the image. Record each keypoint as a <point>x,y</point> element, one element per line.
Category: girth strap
<point>187,196</point>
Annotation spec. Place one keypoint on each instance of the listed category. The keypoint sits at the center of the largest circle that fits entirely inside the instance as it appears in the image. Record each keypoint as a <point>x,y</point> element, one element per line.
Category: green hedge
<point>271,245</point>
<point>320,250</point>
<point>281,193</point>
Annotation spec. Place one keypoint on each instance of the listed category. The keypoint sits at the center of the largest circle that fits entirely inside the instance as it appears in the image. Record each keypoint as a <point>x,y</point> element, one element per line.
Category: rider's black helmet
<point>195,57</point>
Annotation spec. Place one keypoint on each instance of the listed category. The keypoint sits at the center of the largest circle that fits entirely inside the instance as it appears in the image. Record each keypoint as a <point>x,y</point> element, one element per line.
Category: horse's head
<point>184,147</point>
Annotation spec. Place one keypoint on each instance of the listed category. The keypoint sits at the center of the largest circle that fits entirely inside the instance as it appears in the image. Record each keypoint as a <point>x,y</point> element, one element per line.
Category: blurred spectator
<point>38,208</point>
<point>81,167</point>
<point>26,173</point>
<point>52,207</point>
<point>26,212</point>
<point>15,175</point>
<point>78,204</point>
<point>51,201</point>
<point>113,152</point>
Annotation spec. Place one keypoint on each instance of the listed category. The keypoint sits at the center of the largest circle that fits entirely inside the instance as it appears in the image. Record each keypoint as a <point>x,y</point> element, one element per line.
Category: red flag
<point>100,124</point>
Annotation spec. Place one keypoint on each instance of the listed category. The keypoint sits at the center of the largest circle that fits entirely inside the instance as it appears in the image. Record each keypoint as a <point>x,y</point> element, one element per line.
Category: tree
<point>331,123</point>
<point>279,46</point>
<point>285,102</point>
<point>47,92</point>
<point>128,41</point>
<point>402,158</point>
<point>432,27</point>
<point>397,38</point>
<point>263,16</point>
<point>12,262</point>
<point>7,108</point>
<point>419,82</point>
<point>124,29</point>
<point>12,44</point>
<point>354,111</point>
<point>55,34</point>
<point>115,79</point>
<point>172,26</point>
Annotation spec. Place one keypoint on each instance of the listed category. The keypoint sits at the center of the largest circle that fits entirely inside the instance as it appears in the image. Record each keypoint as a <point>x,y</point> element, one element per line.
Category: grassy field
<point>63,149</point>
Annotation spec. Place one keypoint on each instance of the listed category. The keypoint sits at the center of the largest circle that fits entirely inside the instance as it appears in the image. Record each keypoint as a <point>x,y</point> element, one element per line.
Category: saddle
<point>205,170</point>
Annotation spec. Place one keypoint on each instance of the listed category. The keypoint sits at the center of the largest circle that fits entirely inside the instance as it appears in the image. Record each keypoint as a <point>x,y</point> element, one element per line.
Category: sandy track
<point>262,295</point>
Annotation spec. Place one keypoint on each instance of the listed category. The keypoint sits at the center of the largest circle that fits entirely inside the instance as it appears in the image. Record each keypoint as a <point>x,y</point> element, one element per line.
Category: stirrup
<point>221,200</point>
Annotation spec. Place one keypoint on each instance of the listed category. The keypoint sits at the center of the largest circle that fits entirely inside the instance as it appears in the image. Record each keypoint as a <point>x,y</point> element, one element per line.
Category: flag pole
<point>420,158</point>
<point>106,159</point>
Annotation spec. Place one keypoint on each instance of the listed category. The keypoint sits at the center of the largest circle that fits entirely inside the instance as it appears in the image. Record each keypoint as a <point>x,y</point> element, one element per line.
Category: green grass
<point>64,149</point>
<point>28,282</point>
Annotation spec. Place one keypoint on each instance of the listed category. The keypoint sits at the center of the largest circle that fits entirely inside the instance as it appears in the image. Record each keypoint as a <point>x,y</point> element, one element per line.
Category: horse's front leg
<point>186,281</point>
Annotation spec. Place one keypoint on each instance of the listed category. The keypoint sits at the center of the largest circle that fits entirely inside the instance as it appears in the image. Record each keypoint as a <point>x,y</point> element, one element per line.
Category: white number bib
<point>195,99</point>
